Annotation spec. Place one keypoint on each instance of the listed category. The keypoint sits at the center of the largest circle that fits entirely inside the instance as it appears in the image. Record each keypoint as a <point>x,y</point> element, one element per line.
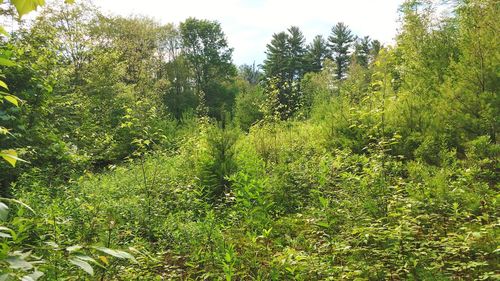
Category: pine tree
<point>362,51</point>
<point>340,42</point>
<point>296,61</point>
<point>317,52</point>
<point>375,47</point>
<point>472,104</point>
<point>285,66</point>
<point>275,65</point>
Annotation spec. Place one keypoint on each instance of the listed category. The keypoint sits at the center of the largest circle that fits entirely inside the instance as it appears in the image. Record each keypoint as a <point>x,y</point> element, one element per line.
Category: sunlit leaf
<point>3,130</point>
<point>86,258</point>
<point>12,99</point>
<point>52,244</point>
<point>33,276</point>
<point>17,262</point>
<point>116,253</point>
<point>104,259</point>
<point>73,248</point>
<point>83,265</point>
<point>10,156</point>
<point>3,31</point>
<point>4,211</point>
<point>3,85</point>
<point>25,6</point>
<point>6,62</point>
<point>18,202</point>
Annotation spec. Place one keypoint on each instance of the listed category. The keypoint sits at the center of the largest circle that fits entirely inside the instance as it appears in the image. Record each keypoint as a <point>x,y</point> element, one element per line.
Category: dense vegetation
<point>138,151</point>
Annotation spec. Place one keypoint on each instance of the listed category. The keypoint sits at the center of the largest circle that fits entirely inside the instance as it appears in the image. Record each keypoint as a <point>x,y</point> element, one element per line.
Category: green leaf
<point>86,258</point>
<point>69,1</point>
<point>323,224</point>
<point>83,265</point>
<point>3,130</point>
<point>3,31</point>
<point>25,6</point>
<point>324,202</point>
<point>73,248</point>
<point>18,202</point>
<point>17,262</point>
<point>4,211</point>
<point>33,276</point>
<point>5,235</point>
<point>10,156</point>
<point>116,253</point>
<point>3,85</point>
<point>12,99</point>
<point>6,62</point>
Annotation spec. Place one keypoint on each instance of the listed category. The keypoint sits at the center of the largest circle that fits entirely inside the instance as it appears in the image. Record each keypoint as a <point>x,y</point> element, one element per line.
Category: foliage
<point>218,164</point>
<point>284,68</point>
<point>340,42</point>
<point>149,159</point>
<point>248,108</point>
<point>206,50</point>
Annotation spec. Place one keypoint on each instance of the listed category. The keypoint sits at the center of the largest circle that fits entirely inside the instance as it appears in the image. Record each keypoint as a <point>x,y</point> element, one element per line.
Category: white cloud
<point>249,24</point>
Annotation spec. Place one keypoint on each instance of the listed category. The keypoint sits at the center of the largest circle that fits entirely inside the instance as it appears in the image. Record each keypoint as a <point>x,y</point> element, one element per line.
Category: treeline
<point>340,159</point>
<point>436,87</point>
<point>97,88</point>
<point>289,59</point>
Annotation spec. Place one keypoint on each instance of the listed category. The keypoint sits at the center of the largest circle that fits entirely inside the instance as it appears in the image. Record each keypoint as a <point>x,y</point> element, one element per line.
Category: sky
<point>250,24</point>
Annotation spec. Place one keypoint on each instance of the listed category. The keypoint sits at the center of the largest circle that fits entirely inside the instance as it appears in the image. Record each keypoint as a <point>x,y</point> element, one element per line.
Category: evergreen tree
<point>375,47</point>
<point>317,52</point>
<point>276,63</point>
<point>284,67</point>
<point>340,42</point>
<point>296,60</point>
<point>362,51</point>
<point>472,102</point>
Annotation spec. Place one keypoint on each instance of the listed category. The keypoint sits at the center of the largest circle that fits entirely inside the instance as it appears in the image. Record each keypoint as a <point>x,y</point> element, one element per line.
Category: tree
<point>296,62</point>
<point>471,87</point>
<point>136,41</point>
<point>362,51</point>
<point>340,42</point>
<point>284,68</point>
<point>277,72</point>
<point>71,25</point>
<point>177,92</point>
<point>22,7</point>
<point>278,55</point>
<point>375,48</point>
<point>316,54</point>
<point>248,106</point>
<point>425,49</point>
<point>250,73</point>
<point>206,50</point>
